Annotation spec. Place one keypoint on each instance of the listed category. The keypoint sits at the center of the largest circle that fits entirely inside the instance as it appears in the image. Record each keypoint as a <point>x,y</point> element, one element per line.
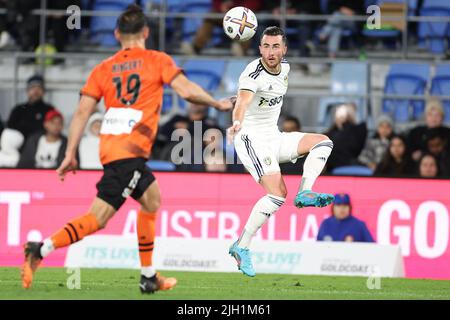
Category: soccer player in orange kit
<point>131,84</point>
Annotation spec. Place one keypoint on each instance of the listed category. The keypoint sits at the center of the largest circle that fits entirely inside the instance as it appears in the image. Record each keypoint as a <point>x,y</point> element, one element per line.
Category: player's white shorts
<point>262,153</point>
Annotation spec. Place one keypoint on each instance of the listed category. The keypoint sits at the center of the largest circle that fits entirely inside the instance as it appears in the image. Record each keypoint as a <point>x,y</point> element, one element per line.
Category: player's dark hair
<point>132,20</point>
<point>274,31</point>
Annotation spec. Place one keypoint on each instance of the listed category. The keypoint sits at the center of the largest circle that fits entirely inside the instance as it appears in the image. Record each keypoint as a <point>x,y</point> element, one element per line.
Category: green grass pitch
<point>51,283</point>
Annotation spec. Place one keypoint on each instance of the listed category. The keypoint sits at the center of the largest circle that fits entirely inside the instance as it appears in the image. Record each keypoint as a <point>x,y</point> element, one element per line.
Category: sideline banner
<point>288,257</point>
<point>412,213</point>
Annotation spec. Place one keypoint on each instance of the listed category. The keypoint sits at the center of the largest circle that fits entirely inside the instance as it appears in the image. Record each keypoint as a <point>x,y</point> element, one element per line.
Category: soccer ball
<point>240,23</point>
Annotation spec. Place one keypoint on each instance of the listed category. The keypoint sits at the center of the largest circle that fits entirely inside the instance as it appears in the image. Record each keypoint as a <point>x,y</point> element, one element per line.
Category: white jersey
<point>263,112</point>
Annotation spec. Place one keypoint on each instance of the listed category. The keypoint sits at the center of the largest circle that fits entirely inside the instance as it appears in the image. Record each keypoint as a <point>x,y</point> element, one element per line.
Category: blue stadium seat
<point>435,35</point>
<point>352,171</point>
<point>346,78</point>
<point>405,79</point>
<point>346,33</point>
<point>167,103</point>
<point>440,86</point>
<point>382,33</point>
<point>170,99</point>
<point>191,25</point>
<point>159,165</point>
<point>172,6</point>
<point>102,27</point>
<point>435,4</point>
<point>207,73</point>
<point>233,70</point>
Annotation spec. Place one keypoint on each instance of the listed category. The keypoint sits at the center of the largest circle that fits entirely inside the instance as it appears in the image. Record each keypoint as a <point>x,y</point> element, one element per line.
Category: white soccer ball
<point>240,23</point>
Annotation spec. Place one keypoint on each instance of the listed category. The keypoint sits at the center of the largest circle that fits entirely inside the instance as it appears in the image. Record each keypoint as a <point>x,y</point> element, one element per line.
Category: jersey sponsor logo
<point>120,120</point>
<point>264,102</point>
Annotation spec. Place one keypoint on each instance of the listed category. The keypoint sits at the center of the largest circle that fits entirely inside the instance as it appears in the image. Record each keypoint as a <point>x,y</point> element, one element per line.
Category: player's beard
<point>272,64</point>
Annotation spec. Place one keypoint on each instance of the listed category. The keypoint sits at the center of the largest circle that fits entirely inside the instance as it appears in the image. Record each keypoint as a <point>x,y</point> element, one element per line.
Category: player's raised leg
<point>74,231</point>
<point>275,188</point>
<point>318,147</point>
<point>151,281</point>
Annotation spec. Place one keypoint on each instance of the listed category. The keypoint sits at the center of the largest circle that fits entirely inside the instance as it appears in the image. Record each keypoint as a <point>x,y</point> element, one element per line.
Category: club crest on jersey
<point>286,80</point>
<point>267,161</point>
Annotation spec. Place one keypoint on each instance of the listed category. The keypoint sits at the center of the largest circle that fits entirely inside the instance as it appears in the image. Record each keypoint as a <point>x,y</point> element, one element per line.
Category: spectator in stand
<point>332,31</point>
<point>342,225</point>
<point>28,118</point>
<point>4,33</point>
<point>292,124</point>
<point>195,113</point>
<point>428,166</point>
<point>376,146</point>
<point>434,119</point>
<point>397,160</point>
<point>348,137</point>
<point>204,33</point>
<point>90,143</point>
<point>10,143</point>
<point>189,156</point>
<point>305,28</point>
<point>27,24</point>
<point>45,150</point>
<point>215,163</point>
<point>437,145</point>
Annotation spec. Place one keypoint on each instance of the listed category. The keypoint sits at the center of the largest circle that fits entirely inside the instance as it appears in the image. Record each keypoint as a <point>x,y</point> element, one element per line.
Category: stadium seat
<point>167,103</point>
<point>435,35</point>
<point>233,70</point>
<point>159,165</point>
<point>440,86</point>
<point>352,171</point>
<point>207,73</point>
<point>384,34</point>
<point>347,34</point>
<point>191,25</point>
<point>346,78</point>
<point>405,79</point>
<point>102,27</point>
<point>172,6</point>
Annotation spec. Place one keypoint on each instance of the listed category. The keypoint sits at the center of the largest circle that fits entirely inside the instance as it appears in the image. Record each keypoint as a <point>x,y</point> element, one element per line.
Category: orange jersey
<point>131,83</point>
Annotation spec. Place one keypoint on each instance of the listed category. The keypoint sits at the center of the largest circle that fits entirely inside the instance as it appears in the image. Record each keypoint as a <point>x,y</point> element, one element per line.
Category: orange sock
<point>146,236</point>
<point>75,230</point>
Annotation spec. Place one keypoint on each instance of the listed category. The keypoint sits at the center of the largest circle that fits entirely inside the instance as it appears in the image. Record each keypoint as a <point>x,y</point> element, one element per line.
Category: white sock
<point>148,271</point>
<point>314,163</point>
<point>47,247</point>
<point>261,212</point>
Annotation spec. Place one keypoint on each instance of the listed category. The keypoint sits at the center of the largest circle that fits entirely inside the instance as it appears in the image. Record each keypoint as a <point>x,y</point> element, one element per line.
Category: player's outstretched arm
<point>86,107</point>
<point>244,98</point>
<point>192,92</point>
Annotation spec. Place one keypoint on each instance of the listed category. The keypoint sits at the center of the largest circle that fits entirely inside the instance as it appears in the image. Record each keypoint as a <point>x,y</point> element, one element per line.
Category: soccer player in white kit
<point>262,147</point>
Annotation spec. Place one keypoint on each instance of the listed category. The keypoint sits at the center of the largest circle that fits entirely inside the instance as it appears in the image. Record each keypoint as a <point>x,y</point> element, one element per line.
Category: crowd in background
<point>33,137</point>
<point>22,26</point>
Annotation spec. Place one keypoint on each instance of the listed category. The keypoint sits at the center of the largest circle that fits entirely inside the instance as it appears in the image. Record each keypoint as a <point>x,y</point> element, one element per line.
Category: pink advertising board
<point>409,212</point>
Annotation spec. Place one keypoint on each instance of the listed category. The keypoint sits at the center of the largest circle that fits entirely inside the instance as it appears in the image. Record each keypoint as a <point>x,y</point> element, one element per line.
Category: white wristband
<point>236,123</point>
